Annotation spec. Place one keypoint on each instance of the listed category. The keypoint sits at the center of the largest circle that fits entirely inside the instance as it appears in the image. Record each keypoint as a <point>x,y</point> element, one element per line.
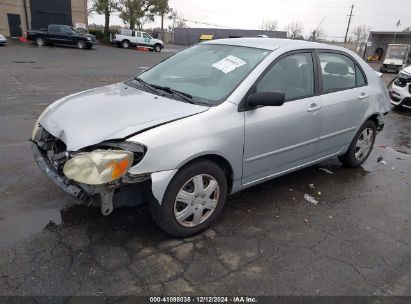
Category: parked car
<point>210,121</point>
<point>400,92</point>
<point>396,58</point>
<point>61,34</point>
<point>126,38</point>
<point>3,40</point>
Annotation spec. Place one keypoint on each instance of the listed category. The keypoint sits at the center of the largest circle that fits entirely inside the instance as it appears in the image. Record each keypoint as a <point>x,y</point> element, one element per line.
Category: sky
<point>377,14</point>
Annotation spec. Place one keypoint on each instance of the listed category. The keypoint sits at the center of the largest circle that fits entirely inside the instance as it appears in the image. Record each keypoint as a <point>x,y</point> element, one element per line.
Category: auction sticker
<point>228,64</point>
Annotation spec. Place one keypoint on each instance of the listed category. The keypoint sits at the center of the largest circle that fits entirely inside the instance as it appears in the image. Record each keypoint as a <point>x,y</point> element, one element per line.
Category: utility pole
<point>348,25</point>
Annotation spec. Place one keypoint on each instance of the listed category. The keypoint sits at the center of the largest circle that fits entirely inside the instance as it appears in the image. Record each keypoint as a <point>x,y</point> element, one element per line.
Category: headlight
<point>88,38</point>
<point>98,167</point>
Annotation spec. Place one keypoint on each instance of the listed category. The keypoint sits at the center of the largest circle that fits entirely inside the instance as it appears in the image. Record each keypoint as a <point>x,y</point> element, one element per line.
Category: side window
<point>293,75</point>
<point>54,28</point>
<point>360,78</point>
<point>338,72</point>
<point>145,35</point>
<point>138,34</point>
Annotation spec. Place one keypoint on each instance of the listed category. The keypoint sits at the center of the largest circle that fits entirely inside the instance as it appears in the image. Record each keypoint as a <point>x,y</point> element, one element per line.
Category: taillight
<point>25,34</point>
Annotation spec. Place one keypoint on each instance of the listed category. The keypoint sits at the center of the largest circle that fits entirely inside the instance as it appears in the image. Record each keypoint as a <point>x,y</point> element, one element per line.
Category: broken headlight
<point>98,167</point>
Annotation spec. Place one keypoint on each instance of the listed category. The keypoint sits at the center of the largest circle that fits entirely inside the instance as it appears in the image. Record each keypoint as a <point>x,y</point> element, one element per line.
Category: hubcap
<point>40,42</point>
<point>125,45</point>
<point>80,45</point>
<point>364,143</point>
<point>196,200</point>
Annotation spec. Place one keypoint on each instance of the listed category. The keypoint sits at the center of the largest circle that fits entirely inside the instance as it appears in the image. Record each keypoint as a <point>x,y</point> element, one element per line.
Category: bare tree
<point>407,29</point>
<point>360,34</point>
<point>318,34</point>
<point>178,20</point>
<point>269,25</point>
<point>295,30</point>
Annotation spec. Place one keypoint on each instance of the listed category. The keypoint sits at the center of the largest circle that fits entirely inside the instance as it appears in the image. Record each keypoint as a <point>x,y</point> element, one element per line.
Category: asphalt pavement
<point>268,241</point>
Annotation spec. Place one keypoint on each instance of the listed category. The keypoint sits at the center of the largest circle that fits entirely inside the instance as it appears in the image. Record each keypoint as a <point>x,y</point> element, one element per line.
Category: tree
<point>162,9</point>
<point>269,25</point>
<point>360,34</point>
<point>178,20</point>
<point>295,30</point>
<point>317,34</point>
<point>407,29</point>
<point>135,13</point>
<point>106,8</point>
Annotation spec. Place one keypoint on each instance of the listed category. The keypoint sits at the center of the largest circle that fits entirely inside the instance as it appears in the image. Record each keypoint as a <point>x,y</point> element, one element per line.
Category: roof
<point>268,43</point>
<point>389,33</point>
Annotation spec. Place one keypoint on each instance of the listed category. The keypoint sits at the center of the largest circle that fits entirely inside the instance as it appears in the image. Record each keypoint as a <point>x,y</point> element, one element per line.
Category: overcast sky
<point>377,14</point>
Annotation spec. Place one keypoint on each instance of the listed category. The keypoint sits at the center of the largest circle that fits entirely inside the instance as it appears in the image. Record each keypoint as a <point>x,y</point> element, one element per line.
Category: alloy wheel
<point>196,200</point>
<point>364,143</point>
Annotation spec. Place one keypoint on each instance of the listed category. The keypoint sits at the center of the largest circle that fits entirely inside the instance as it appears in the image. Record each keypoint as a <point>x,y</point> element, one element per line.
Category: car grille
<point>407,101</point>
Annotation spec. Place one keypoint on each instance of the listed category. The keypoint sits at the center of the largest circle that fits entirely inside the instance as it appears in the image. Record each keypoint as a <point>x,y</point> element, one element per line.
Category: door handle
<point>363,96</point>
<point>313,107</point>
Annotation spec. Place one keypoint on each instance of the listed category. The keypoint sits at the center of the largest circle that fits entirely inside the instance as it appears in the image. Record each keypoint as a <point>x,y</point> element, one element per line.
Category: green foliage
<point>136,13</point>
<point>98,33</point>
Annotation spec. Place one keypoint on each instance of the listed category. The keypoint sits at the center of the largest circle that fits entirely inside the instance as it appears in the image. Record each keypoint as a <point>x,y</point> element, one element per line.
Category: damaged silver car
<point>210,121</point>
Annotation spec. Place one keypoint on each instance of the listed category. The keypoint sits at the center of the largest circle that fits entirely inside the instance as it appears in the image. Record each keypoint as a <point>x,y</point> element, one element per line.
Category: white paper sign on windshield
<point>228,64</point>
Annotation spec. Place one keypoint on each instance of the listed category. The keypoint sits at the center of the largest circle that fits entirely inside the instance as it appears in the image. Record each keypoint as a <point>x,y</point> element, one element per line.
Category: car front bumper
<point>401,96</point>
<point>106,196</point>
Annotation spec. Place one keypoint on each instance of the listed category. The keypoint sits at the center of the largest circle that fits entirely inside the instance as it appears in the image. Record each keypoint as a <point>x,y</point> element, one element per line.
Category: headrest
<point>338,68</point>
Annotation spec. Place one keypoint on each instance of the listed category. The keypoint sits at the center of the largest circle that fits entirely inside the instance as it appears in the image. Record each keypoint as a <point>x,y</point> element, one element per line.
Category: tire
<point>89,47</point>
<point>40,41</point>
<point>353,157</point>
<point>80,44</point>
<point>125,44</point>
<point>157,47</point>
<point>196,214</point>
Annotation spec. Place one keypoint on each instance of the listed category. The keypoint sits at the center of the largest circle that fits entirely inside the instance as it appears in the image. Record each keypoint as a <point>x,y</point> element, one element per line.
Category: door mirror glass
<point>271,98</point>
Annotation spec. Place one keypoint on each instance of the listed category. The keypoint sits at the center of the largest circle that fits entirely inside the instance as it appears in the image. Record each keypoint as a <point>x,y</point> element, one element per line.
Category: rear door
<point>53,33</point>
<point>345,98</point>
<point>279,139</point>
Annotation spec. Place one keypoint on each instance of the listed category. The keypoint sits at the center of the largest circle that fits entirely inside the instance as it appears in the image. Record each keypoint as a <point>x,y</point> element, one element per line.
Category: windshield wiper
<point>187,97</point>
<point>147,85</point>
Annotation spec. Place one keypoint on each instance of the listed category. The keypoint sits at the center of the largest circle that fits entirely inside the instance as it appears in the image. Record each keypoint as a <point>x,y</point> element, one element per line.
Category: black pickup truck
<point>61,34</point>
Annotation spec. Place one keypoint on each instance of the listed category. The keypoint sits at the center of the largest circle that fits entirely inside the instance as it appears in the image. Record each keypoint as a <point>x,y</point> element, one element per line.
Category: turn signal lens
<point>98,167</point>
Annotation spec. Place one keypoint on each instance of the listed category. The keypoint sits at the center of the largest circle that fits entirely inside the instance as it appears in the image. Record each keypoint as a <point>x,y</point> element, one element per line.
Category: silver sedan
<point>210,121</point>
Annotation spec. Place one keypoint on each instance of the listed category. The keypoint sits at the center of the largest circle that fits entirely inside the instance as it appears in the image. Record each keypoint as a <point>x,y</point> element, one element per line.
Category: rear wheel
<point>361,146</point>
<point>125,44</point>
<point>40,41</point>
<point>193,199</point>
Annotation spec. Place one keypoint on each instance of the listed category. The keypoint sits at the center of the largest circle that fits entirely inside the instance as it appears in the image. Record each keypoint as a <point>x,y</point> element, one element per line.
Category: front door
<point>14,25</point>
<point>279,139</point>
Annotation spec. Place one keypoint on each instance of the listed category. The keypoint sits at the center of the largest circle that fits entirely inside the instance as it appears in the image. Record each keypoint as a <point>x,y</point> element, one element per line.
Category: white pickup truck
<point>126,38</point>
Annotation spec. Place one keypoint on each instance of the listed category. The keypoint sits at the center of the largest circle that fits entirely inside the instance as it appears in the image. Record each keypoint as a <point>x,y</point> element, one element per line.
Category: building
<point>189,36</point>
<point>17,16</point>
<point>380,40</point>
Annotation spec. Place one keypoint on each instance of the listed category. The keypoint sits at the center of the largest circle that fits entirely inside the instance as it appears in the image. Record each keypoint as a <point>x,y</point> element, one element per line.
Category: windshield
<point>74,30</point>
<point>396,52</point>
<point>205,71</point>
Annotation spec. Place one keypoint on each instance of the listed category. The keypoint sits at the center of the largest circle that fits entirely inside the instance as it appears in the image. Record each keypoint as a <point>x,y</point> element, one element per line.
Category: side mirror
<point>271,99</point>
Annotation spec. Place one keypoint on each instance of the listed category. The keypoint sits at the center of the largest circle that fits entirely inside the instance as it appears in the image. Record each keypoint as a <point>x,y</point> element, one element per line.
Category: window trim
<point>356,64</point>
<point>316,87</point>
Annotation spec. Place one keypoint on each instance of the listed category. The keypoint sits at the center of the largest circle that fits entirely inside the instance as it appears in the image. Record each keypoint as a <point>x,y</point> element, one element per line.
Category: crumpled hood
<point>110,112</point>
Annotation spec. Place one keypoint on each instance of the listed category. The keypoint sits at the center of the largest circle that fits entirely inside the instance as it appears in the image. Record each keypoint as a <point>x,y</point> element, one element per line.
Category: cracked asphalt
<point>268,241</point>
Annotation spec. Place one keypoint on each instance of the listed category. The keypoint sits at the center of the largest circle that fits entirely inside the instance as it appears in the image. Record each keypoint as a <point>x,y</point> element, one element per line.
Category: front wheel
<point>40,41</point>
<point>193,200</point>
<point>361,146</point>
<point>157,47</point>
<point>80,44</point>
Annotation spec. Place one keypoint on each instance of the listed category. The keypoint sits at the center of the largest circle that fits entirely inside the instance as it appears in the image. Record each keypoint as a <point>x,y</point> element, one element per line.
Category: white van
<point>126,38</point>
